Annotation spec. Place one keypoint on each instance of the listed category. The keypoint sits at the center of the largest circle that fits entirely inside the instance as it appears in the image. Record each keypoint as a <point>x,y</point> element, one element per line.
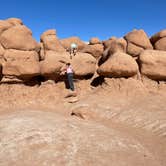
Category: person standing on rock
<point>73,49</point>
<point>69,71</point>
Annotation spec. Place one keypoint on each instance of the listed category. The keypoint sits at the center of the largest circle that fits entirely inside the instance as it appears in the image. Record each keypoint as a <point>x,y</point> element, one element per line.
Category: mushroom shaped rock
<point>153,64</point>
<point>84,65</point>
<point>51,66</point>
<point>118,65</point>
<point>19,37</point>
<point>94,40</point>
<point>51,42</point>
<point>21,64</point>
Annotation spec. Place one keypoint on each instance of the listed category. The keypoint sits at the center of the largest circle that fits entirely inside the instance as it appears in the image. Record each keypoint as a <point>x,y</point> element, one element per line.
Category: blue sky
<point>87,18</point>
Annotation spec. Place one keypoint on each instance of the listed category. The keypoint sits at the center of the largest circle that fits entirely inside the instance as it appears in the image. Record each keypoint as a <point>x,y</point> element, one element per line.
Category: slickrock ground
<point>121,122</point>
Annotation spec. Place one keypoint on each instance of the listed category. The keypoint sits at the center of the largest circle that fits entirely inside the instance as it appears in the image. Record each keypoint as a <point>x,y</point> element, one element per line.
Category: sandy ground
<point>134,109</point>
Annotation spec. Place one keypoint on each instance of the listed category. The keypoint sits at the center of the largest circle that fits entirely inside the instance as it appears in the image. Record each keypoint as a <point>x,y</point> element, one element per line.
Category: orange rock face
<point>18,51</point>
<point>139,38</point>
<point>158,40</point>
<point>4,25</point>
<point>115,44</point>
<point>21,63</point>
<point>84,65</point>
<point>68,41</point>
<point>23,41</point>
<point>153,64</point>
<point>158,36</point>
<point>94,40</point>
<point>95,50</point>
<point>137,41</point>
<point>160,44</point>
<point>2,51</point>
<point>52,64</point>
<point>118,65</point>
<point>51,42</point>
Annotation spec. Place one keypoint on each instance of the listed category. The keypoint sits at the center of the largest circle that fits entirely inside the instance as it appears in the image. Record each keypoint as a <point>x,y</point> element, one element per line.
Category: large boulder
<point>134,50</point>
<point>67,42</point>
<point>159,40</point>
<point>116,44</point>
<point>112,46</point>
<point>50,67</point>
<point>51,42</point>
<point>94,40</point>
<point>158,36</point>
<point>95,50</point>
<point>153,64</point>
<point>161,44</point>
<point>4,25</point>
<point>137,40</point>
<point>15,21</point>
<point>84,65</point>
<point>18,37</point>
<point>21,64</point>
<point>118,65</point>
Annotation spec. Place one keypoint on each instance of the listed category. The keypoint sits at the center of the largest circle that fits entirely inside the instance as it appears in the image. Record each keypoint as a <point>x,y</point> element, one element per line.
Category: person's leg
<point>70,79</point>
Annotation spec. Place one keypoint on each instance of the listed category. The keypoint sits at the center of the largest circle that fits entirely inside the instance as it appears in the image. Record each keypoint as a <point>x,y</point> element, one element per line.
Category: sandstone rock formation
<point>55,57</point>
<point>95,50</point>
<point>18,51</point>
<point>15,21</point>
<point>84,65</point>
<point>52,64</point>
<point>4,25</point>
<point>159,40</point>
<point>112,46</point>
<point>24,40</point>
<point>118,65</point>
<point>160,44</point>
<point>153,64</point>
<point>137,40</point>
<point>158,36</point>
<point>94,40</point>
<point>67,42</point>
<point>52,54</point>
<point>115,44</point>
<point>119,120</point>
<point>134,50</point>
<point>22,64</point>
<point>2,51</point>
<point>51,42</point>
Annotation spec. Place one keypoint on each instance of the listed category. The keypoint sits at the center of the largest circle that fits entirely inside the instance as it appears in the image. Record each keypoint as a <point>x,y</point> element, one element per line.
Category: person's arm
<point>63,70</point>
<point>72,70</point>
